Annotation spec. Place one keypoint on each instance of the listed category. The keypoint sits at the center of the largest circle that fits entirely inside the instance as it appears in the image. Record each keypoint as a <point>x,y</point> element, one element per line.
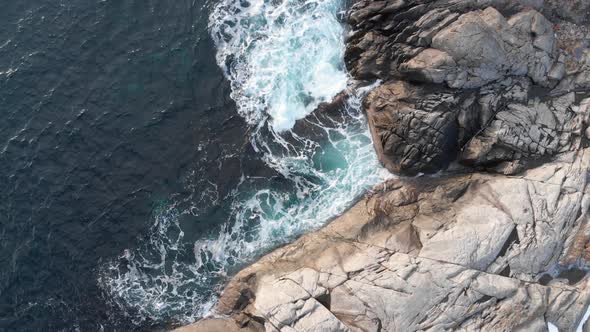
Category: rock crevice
<point>496,95</point>
<point>432,254</point>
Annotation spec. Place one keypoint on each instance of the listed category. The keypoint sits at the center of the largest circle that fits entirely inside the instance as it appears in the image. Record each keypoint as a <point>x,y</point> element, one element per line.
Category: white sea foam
<point>282,58</point>
<point>157,281</point>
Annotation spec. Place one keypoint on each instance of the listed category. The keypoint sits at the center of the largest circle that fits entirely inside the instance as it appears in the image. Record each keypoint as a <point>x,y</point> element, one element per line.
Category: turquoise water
<point>282,59</point>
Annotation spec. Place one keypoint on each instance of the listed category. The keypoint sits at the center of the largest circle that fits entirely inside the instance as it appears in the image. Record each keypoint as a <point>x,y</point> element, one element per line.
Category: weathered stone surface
<point>420,129</point>
<point>460,252</point>
<point>532,130</point>
<point>497,85</point>
<point>413,129</point>
<point>577,11</point>
<point>463,43</point>
<point>483,47</point>
<point>490,83</point>
<point>214,325</point>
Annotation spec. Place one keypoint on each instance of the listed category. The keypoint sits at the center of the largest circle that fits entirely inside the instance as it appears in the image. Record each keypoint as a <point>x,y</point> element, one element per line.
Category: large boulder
<point>492,84</point>
<point>465,44</point>
<point>482,46</point>
<point>413,130</point>
<point>419,128</point>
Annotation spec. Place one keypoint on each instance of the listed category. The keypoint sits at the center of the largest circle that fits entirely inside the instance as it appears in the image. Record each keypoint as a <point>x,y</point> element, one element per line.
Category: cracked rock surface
<point>491,84</point>
<point>496,94</point>
<point>462,252</point>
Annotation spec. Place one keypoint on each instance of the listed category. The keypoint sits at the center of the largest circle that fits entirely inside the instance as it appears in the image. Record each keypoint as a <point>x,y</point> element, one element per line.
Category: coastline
<point>463,249</point>
<point>373,256</point>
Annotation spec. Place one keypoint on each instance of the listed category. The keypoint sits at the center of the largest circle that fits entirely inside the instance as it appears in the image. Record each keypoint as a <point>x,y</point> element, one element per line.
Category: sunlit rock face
<point>494,97</point>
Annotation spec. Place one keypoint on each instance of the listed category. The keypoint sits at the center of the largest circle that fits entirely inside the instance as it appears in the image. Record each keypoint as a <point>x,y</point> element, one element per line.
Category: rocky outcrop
<point>492,84</point>
<point>577,11</point>
<point>500,241</point>
<point>420,129</point>
<point>461,252</point>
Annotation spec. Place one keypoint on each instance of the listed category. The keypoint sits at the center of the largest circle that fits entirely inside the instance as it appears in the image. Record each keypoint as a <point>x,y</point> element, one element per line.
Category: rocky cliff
<point>494,96</point>
<point>494,84</point>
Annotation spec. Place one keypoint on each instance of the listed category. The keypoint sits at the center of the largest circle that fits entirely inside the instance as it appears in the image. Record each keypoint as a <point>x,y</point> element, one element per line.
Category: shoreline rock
<point>461,252</point>
<point>496,95</point>
<point>487,83</point>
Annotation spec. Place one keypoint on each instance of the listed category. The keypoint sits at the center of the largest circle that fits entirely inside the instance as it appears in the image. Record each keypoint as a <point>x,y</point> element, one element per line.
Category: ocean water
<point>151,149</point>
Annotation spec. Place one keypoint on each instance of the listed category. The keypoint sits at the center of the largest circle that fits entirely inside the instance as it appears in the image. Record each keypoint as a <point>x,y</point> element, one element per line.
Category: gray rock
<point>413,130</point>
<point>497,85</point>
<point>532,131</point>
<point>466,44</point>
<point>422,129</point>
<point>460,252</point>
<point>577,11</point>
<point>466,81</point>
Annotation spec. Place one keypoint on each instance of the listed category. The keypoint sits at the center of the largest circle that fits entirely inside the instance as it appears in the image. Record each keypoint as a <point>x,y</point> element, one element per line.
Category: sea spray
<point>282,59</point>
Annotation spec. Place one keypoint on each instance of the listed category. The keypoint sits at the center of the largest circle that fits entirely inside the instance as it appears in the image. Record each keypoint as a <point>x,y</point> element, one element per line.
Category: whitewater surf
<point>282,59</point>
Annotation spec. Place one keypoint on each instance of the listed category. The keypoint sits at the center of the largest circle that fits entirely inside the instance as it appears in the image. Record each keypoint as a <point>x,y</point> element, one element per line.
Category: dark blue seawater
<point>107,110</point>
<point>132,186</point>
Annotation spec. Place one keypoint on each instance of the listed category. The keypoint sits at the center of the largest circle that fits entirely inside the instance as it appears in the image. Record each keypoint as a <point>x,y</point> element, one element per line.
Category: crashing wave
<point>283,58</point>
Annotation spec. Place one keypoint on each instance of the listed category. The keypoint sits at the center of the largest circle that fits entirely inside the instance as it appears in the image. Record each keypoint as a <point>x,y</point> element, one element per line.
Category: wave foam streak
<point>325,177</point>
<point>283,58</point>
<point>168,278</point>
